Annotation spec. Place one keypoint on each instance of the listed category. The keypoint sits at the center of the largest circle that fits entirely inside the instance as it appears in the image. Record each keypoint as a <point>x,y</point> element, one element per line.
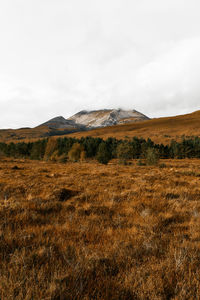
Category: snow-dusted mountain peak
<point>106,117</point>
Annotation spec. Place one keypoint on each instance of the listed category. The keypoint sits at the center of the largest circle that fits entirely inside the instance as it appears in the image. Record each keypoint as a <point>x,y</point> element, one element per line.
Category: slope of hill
<point>58,122</point>
<point>30,134</point>
<point>61,122</point>
<point>82,121</point>
<point>159,130</point>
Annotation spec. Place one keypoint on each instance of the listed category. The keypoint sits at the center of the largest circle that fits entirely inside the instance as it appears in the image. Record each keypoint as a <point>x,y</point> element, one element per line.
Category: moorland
<point>85,230</point>
<point>101,214</point>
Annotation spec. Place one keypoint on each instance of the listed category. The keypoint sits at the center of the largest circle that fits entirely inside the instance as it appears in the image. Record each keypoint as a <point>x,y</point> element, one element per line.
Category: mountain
<point>60,122</point>
<point>106,117</point>
<point>160,130</point>
<point>94,119</point>
<point>82,121</point>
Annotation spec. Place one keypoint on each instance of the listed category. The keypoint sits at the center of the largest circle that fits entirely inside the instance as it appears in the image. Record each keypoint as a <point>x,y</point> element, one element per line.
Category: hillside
<point>58,122</point>
<point>82,121</point>
<point>29,134</point>
<point>159,130</point>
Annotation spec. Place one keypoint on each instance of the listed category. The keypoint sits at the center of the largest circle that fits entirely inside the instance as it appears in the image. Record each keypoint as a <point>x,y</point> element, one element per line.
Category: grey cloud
<point>58,57</point>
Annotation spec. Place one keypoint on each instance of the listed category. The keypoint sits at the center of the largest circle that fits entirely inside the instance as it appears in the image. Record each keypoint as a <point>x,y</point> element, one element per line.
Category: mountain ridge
<point>160,130</point>
<point>163,129</point>
<point>60,122</point>
<point>106,117</point>
<point>91,119</point>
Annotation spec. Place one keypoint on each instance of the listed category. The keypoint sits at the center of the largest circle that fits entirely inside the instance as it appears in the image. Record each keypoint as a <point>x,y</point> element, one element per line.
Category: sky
<point>58,57</point>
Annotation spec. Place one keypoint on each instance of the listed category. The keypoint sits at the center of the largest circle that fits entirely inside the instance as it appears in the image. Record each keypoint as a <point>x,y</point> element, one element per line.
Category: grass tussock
<point>88,231</point>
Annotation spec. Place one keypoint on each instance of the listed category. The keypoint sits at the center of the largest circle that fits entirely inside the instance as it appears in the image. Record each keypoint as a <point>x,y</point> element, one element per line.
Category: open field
<point>90,231</point>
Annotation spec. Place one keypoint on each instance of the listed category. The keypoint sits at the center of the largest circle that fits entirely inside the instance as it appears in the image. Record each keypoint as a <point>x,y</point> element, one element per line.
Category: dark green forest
<point>102,150</point>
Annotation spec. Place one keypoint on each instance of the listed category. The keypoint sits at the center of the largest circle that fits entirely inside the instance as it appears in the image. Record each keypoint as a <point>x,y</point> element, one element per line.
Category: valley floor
<point>89,231</point>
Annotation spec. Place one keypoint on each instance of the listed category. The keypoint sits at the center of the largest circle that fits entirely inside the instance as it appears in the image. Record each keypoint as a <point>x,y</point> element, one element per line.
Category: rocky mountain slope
<point>160,130</point>
<point>94,119</point>
<point>106,117</point>
<point>61,122</point>
<point>82,121</point>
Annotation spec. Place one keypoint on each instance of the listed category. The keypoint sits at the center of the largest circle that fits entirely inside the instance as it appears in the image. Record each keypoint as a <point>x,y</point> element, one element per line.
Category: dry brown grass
<point>23,134</point>
<point>160,130</point>
<point>88,231</point>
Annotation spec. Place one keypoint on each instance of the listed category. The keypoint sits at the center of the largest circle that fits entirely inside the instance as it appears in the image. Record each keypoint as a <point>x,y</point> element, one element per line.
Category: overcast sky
<point>61,56</point>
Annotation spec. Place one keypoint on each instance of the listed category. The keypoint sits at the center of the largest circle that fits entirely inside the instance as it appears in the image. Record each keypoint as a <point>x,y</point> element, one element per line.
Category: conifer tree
<point>103,154</point>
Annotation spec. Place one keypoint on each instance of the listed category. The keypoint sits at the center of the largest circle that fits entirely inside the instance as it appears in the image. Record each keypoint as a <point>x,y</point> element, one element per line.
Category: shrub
<point>82,155</point>
<point>2,155</point>
<point>58,158</point>
<point>161,166</point>
<point>103,155</point>
<point>152,157</point>
<point>140,162</point>
<point>62,158</point>
<point>75,153</point>
<point>50,148</point>
<point>54,156</point>
<point>124,152</point>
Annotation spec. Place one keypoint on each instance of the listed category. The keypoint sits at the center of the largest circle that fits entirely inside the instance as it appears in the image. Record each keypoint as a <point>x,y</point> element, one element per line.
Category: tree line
<point>68,148</point>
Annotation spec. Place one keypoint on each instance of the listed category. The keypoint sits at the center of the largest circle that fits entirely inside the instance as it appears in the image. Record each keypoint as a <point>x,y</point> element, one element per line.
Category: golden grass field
<point>159,130</point>
<point>90,231</point>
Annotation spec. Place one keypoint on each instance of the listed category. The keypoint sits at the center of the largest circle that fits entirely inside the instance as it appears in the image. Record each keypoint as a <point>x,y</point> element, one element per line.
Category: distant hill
<point>62,123</point>
<point>95,119</point>
<point>86,124</point>
<point>58,122</point>
<point>160,130</point>
<point>106,117</point>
